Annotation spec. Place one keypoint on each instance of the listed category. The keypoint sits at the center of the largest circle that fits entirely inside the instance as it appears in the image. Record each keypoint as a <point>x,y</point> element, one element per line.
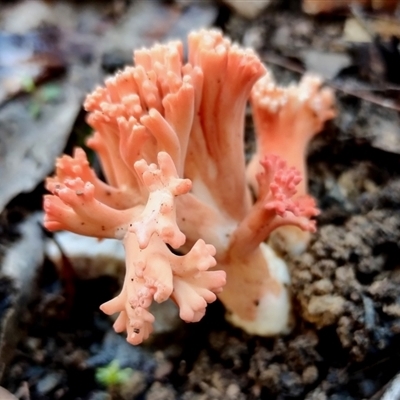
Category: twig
<point>362,94</point>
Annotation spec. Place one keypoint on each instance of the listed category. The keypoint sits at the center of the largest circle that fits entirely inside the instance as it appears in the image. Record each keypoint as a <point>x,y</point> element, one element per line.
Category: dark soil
<point>345,287</point>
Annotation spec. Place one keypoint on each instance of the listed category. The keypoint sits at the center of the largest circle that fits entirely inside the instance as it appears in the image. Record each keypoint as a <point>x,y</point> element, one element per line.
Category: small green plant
<point>112,375</point>
<point>40,95</point>
<point>28,84</point>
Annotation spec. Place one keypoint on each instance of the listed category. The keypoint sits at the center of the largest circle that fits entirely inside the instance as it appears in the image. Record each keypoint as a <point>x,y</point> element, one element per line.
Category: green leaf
<point>112,375</point>
<point>50,92</point>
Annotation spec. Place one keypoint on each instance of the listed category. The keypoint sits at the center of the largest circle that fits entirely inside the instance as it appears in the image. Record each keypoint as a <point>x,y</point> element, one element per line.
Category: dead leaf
<point>26,59</point>
<point>146,22</point>
<point>328,65</point>
<point>248,9</point>
<point>6,395</point>
<point>29,146</point>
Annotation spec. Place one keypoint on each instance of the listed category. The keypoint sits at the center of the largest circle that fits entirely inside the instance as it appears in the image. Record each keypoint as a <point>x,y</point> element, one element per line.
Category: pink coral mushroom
<point>170,140</point>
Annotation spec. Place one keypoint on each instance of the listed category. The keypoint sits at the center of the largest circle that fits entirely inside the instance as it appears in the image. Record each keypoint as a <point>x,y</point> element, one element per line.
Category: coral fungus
<point>170,140</point>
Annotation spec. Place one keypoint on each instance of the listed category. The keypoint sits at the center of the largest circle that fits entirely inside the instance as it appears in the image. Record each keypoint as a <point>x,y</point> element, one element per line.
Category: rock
<point>116,348</point>
<point>135,385</point>
<point>48,383</point>
<point>29,146</point>
<point>89,256</point>
<point>310,375</point>
<point>322,286</point>
<point>248,9</point>
<point>232,391</point>
<point>100,395</point>
<point>317,394</point>
<point>324,310</point>
<point>159,392</point>
<point>326,64</point>
<point>353,31</point>
<point>392,310</point>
